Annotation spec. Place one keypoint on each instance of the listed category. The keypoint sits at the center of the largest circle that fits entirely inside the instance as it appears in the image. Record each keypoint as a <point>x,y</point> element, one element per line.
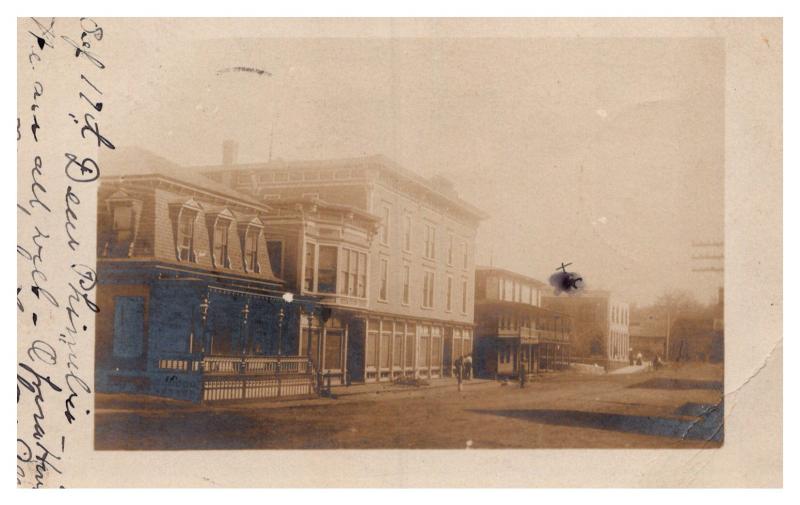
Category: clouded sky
<point>607,153</point>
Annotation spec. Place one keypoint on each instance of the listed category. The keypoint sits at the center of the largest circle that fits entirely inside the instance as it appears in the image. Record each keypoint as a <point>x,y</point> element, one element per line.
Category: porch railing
<point>242,377</point>
<point>235,365</point>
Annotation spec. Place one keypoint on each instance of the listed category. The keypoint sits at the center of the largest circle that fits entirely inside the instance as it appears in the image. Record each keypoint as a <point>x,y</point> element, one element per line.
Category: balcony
<point>529,335</point>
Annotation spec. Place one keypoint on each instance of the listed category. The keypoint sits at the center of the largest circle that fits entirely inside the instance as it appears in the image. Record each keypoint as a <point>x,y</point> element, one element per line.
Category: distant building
<point>648,337</point>
<point>402,300</point>
<point>600,324</point>
<point>513,330</point>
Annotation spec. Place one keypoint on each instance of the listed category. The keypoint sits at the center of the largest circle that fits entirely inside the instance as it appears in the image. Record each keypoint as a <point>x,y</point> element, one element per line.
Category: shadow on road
<point>706,426</point>
<point>664,383</point>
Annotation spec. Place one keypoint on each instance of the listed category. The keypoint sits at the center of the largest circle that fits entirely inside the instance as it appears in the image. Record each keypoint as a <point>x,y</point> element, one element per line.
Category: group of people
<point>462,368</point>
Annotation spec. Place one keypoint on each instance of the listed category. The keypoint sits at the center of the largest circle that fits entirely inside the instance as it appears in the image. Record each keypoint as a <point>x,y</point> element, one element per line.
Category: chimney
<point>230,151</point>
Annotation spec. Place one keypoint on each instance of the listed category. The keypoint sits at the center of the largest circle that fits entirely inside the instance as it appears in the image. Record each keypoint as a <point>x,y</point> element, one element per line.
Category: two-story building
<point>401,300</point>
<point>600,325</point>
<point>192,301</point>
<point>513,332</point>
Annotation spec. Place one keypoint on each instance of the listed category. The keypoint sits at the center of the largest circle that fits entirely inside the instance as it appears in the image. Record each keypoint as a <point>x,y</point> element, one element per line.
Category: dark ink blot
<point>35,290</point>
<point>41,42</point>
<point>35,318</point>
<point>566,282</point>
<point>84,327</point>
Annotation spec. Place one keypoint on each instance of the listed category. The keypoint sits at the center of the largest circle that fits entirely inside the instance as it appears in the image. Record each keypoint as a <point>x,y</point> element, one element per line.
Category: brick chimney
<point>230,152</point>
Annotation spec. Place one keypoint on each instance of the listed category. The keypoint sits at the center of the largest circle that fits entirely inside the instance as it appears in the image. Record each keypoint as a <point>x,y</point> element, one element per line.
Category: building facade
<point>403,296</point>
<point>191,306</point>
<point>600,325</point>
<point>513,331</point>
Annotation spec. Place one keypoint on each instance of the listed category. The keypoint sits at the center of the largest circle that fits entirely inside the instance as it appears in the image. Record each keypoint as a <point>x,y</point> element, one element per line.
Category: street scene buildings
<point>291,289</point>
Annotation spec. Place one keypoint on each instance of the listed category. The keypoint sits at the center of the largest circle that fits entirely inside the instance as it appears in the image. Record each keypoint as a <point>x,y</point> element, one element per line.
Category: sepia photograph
<point>350,234</point>
<point>421,243</point>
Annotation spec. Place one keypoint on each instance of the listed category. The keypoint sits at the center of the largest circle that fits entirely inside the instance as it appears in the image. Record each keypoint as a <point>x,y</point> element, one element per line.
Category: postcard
<point>399,252</point>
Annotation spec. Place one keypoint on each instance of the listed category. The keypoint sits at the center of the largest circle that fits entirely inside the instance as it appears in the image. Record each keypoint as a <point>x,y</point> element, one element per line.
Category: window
<point>327,269</point>
<point>508,290</point>
<point>353,272</point>
<point>275,253</point>
<point>427,290</point>
<point>122,229</point>
<point>309,277</point>
<point>430,241</point>
<point>436,346</point>
<point>128,339</point>
<point>464,296</point>
<point>383,294</point>
<point>424,346</point>
<point>362,275</point>
<point>450,245</point>
<point>186,219</point>
<point>406,284</point>
<point>385,225</point>
<point>411,335</point>
<point>251,236</point>
<point>449,297</point>
<point>465,254</point>
<point>221,258</point>
<point>407,232</point>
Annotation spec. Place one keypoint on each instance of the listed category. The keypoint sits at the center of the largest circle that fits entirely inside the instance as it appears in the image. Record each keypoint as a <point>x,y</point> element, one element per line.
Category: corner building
<point>397,301</point>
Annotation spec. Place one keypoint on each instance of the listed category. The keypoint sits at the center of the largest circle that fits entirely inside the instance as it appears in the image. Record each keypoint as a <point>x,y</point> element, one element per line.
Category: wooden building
<point>513,331</point>
<point>192,303</point>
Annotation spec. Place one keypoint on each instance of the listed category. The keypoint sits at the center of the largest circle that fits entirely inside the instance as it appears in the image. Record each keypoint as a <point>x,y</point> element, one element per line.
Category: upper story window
<point>122,225</point>
<point>250,233</point>
<point>219,226</point>
<point>310,270</point>
<point>427,289</point>
<point>326,277</point>
<point>449,294</point>
<point>450,246</point>
<point>464,286</point>
<point>124,212</point>
<point>221,256</point>
<point>406,283</point>
<point>407,232</point>
<point>186,235</point>
<point>251,250</point>
<point>430,241</point>
<point>383,294</point>
<point>184,215</point>
<point>385,225</point>
<point>353,275</point>
<point>465,255</point>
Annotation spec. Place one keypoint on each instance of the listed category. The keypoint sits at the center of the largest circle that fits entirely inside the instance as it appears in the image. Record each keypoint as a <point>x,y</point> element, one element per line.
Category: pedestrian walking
<point>468,367</point>
<point>460,373</point>
<point>523,376</point>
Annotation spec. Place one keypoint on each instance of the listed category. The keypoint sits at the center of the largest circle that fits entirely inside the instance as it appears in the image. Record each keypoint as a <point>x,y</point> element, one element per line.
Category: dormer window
<point>186,236</point>
<point>124,212</point>
<point>219,226</point>
<point>251,250</point>
<point>221,256</point>
<point>250,231</point>
<point>184,215</point>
